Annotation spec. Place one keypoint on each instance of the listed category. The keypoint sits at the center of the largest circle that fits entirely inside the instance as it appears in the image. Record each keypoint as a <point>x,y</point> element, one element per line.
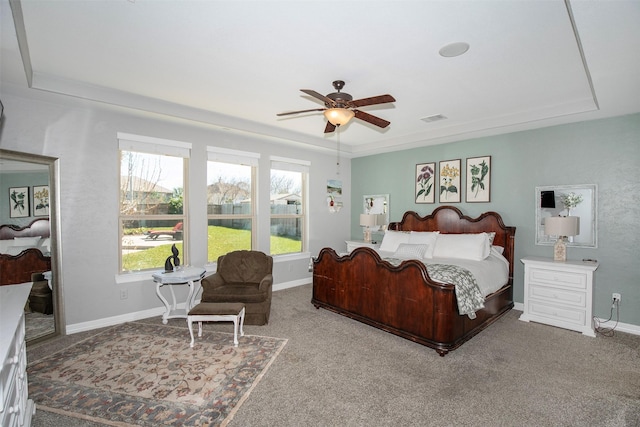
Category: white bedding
<point>491,273</point>
<point>17,245</point>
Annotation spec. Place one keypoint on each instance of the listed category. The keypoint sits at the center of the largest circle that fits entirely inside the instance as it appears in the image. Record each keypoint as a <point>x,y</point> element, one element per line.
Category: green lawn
<point>222,240</point>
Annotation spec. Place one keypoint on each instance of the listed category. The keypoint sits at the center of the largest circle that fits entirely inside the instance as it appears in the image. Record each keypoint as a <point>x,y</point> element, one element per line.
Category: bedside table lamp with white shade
<point>561,226</point>
<point>367,221</point>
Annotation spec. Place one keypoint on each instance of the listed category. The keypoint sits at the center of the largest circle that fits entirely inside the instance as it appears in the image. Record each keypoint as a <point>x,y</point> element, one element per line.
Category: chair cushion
<point>220,308</point>
<point>236,292</point>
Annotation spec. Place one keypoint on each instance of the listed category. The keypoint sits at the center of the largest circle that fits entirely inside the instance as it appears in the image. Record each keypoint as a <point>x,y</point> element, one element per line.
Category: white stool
<point>217,312</point>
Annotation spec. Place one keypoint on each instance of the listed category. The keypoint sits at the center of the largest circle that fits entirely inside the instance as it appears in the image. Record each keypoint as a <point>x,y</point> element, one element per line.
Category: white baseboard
<point>620,327</point>
<point>145,314</point>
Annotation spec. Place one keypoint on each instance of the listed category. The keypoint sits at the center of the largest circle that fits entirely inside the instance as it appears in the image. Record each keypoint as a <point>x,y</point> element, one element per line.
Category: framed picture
<point>18,202</point>
<point>40,200</point>
<point>449,176</point>
<point>478,179</point>
<point>424,179</point>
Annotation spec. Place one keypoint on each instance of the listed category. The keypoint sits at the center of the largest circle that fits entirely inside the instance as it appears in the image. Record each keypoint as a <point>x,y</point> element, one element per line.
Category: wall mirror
<point>549,202</point>
<point>35,171</point>
<point>377,204</point>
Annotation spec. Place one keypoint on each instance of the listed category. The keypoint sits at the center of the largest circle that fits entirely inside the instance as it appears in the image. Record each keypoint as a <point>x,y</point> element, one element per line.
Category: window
<point>288,205</point>
<point>151,201</point>
<point>231,200</point>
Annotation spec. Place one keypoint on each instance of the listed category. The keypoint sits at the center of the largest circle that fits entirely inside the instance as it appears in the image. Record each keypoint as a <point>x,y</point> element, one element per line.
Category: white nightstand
<point>559,293</point>
<point>352,244</point>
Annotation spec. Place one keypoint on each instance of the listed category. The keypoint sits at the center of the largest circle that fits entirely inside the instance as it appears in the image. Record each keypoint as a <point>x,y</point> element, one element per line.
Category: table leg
<point>165,315</point>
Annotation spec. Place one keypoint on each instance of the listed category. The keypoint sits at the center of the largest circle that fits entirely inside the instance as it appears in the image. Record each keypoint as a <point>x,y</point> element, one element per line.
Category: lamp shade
<point>338,116</point>
<point>367,220</point>
<point>562,226</point>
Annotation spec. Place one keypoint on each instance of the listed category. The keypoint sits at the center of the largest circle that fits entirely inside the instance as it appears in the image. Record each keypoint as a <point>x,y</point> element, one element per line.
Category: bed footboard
<point>402,299</point>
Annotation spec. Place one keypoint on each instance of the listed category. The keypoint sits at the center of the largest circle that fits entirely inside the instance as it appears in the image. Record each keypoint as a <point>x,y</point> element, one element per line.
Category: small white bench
<point>217,312</point>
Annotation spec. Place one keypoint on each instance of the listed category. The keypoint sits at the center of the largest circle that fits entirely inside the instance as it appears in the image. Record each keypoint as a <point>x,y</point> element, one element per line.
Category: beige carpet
<point>338,372</point>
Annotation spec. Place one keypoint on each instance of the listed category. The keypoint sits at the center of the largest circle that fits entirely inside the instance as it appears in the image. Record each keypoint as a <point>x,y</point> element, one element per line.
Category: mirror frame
<point>54,215</point>
<point>376,204</point>
<point>588,208</point>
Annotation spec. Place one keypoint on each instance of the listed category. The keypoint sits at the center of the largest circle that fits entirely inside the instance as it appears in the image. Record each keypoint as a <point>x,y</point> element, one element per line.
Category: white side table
<point>184,276</point>
<point>559,293</point>
<point>352,244</point>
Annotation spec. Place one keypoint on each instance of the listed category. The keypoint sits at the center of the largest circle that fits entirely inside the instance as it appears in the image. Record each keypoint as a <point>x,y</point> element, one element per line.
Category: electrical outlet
<point>124,293</point>
<point>615,297</point>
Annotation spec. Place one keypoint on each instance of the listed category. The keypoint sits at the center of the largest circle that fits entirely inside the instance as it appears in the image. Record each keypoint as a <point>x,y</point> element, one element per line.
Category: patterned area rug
<point>147,375</point>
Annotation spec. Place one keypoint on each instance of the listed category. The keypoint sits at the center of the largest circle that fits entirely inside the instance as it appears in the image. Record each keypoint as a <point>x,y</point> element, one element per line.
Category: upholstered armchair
<point>242,276</point>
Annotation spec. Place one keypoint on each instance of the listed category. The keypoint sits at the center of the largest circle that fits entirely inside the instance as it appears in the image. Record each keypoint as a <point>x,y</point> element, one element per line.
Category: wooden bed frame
<point>403,300</point>
<point>18,268</point>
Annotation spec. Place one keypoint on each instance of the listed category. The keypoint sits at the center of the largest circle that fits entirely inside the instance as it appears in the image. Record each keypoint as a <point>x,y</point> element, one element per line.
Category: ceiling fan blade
<point>330,128</point>
<point>371,119</point>
<point>321,97</point>
<point>298,112</point>
<point>381,99</point>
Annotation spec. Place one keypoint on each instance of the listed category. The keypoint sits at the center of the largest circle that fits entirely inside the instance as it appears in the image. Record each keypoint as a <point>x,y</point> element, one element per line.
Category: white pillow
<point>462,246</point>
<point>409,251</point>
<point>424,238</point>
<point>26,241</point>
<point>16,250</point>
<point>498,249</point>
<point>392,239</point>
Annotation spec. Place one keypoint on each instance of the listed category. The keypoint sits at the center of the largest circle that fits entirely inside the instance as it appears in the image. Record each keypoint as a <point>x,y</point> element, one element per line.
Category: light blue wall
<point>603,152</point>
<point>22,179</point>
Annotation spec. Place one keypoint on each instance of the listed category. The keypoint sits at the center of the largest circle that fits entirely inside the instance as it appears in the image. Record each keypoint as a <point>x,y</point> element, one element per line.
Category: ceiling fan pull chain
<point>338,152</point>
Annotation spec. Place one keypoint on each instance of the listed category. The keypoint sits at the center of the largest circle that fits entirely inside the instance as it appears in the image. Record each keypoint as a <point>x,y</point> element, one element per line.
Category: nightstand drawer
<point>561,296</point>
<point>558,316</point>
<point>558,278</point>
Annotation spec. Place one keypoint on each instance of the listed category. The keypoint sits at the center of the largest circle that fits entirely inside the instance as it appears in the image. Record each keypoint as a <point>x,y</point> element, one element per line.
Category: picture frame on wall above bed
<point>18,202</point>
<point>449,176</point>
<point>40,200</point>
<point>478,180</point>
<point>425,183</point>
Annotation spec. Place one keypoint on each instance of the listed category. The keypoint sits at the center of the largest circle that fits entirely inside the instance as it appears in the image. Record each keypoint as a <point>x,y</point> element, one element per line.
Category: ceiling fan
<point>340,107</point>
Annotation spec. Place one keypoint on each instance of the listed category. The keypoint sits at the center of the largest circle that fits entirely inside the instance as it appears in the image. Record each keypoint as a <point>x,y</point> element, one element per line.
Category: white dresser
<point>352,244</point>
<point>559,293</point>
<point>16,409</point>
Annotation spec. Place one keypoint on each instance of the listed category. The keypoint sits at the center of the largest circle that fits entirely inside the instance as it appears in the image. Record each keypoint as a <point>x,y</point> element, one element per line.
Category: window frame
<point>162,147</point>
<point>303,167</point>
<point>240,158</point>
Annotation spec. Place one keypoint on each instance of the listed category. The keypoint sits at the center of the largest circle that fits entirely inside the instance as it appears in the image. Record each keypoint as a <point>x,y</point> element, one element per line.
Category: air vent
<point>433,118</point>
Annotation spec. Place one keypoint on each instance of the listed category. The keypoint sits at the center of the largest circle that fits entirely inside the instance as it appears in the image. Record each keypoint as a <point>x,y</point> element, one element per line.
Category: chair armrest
<point>266,282</point>
<point>212,281</point>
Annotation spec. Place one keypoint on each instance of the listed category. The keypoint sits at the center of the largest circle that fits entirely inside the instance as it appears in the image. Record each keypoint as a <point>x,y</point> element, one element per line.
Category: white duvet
<point>492,273</point>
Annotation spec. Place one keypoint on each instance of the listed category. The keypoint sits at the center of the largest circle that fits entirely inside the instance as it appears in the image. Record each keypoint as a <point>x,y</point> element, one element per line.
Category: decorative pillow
<point>410,251</point>
<point>424,238</point>
<point>392,239</point>
<point>45,245</point>
<point>26,241</point>
<point>497,249</point>
<point>491,235</point>
<point>462,246</point>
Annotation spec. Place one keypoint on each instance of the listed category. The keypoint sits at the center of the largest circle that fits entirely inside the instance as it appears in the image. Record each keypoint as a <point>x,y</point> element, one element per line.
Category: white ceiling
<point>235,64</point>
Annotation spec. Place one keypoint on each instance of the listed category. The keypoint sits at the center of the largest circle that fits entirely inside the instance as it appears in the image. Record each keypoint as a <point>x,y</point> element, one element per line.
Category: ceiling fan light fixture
<point>338,116</point>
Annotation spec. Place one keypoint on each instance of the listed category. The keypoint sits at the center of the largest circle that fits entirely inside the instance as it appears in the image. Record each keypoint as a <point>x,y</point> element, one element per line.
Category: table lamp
<point>367,221</point>
<point>561,226</point>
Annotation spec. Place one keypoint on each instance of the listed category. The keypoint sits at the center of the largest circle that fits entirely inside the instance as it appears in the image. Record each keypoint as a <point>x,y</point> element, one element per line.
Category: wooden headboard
<point>19,268</point>
<point>449,219</point>
<point>38,227</point>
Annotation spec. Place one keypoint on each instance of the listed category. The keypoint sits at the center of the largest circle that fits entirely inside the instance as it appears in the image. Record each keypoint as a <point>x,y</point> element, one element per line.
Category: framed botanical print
<point>40,200</point>
<point>478,179</point>
<point>449,177</point>
<point>424,181</point>
<point>18,202</point>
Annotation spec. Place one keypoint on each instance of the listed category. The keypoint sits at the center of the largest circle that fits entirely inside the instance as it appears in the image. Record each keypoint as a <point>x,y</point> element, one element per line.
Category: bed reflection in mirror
<point>550,201</point>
